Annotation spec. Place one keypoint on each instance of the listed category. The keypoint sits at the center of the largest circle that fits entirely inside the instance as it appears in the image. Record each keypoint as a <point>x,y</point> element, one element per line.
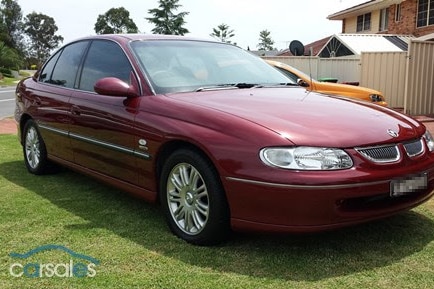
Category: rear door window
<point>65,66</point>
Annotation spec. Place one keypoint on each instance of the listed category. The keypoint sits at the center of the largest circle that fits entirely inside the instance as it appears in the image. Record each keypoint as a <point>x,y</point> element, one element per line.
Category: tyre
<point>193,199</point>
<point>34,150</point>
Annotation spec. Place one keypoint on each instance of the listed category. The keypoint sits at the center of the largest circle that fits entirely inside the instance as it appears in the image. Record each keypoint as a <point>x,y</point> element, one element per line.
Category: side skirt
<point>131,189</point>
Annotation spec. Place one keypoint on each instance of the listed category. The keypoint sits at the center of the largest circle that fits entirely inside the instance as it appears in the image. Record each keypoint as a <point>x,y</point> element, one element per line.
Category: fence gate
<point>419,97</point>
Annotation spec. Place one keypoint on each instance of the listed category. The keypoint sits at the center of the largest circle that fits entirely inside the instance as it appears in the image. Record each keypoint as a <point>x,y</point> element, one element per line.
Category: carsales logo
<point>84,267</point>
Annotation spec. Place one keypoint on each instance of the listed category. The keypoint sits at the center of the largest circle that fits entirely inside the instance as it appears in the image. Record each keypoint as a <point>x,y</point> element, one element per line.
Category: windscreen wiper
<point>240,85</point>
<point>283,84</point>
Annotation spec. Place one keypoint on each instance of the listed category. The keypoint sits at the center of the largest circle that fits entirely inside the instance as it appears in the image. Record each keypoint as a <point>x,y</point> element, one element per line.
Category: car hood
<point>308,118</point>
<point>344,88</point>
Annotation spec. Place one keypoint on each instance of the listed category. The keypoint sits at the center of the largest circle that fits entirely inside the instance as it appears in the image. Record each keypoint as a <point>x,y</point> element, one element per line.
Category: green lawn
<point>134,248</point>
<point>6,81</point>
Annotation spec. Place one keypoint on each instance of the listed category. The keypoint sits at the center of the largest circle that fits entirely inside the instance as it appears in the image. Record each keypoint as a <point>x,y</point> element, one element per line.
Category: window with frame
<point>104,59</point>
<point>364,22</point>
<point>397,12</point>
<point>384,19</point>
<point>62,68</point>
<point>425,13</point>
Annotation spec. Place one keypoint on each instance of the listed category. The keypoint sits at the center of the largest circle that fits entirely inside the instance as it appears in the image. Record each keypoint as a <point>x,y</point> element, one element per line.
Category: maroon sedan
<point>219,137</point>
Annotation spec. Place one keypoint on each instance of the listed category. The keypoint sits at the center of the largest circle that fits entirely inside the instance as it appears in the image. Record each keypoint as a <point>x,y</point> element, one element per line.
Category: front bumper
<point>279,207</point>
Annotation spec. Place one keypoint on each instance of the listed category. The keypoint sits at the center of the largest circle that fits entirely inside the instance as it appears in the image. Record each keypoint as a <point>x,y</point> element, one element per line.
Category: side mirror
<point>302,83</point>
<point>115,87</point>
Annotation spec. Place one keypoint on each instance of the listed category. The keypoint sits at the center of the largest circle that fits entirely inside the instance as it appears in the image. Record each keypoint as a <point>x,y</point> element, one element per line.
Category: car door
<point>102,126</point>
<point>50,98</point>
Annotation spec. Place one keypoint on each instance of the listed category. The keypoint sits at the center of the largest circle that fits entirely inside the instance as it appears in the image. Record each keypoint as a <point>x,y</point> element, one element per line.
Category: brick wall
<point>407,24</point>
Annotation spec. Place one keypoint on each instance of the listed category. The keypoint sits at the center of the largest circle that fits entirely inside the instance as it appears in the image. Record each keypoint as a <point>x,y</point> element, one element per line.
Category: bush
<point>24,73</point>
<point>6,72</point>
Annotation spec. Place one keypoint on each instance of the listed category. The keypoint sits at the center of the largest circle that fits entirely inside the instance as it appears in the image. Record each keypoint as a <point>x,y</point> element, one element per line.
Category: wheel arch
<point>23,120</point>
<point>168,148</point>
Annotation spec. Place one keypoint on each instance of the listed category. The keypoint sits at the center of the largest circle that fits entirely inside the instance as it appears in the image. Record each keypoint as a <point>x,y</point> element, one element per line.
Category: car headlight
<point>306,158</point>
<point>429,141</point>
<point>376,97</point>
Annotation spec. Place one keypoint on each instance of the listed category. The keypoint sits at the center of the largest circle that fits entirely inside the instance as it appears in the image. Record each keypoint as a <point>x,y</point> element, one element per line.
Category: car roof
<point>142,37</point>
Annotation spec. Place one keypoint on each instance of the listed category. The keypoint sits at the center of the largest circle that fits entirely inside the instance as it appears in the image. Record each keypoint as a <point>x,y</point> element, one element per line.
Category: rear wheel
<point>34,150</point>
<point>193,199</point>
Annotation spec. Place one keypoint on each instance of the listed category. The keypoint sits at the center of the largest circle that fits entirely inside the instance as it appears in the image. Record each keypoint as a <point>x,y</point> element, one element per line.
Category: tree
<point>115,20</point>
<point>223,33</point>
<point>11,24</point>
<point>165,21</point>
<point>265,41</point>
<point>9,58</point>
<point>41,30</point>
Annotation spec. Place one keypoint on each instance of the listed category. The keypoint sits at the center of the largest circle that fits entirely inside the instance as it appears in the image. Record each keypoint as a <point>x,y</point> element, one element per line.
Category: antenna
<point>296,48</point>
<point>310,68</point>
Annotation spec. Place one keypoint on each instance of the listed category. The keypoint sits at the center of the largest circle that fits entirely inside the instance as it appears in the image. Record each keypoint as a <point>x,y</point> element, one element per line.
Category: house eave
<point>363,9</point>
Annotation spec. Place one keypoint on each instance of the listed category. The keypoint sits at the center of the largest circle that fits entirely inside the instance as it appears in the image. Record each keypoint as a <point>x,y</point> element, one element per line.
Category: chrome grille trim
<point>414,148</point>
<point>381,154</point>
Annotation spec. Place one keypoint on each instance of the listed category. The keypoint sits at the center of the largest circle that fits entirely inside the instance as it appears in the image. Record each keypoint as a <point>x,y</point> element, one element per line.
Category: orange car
<point>362,93</point>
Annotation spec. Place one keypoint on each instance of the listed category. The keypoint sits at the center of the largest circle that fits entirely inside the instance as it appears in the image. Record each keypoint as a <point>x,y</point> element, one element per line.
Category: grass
<point>136,250</point>
<point>8,81</point>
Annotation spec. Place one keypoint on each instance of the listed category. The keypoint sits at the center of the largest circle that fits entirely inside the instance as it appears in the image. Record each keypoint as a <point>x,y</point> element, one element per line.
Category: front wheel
<point>193,199</point>
<point>34,150</point>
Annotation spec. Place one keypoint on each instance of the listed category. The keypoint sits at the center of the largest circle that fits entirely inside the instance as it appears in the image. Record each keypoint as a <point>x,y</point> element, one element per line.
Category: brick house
<point>405,17</point>
<point>409,18</point>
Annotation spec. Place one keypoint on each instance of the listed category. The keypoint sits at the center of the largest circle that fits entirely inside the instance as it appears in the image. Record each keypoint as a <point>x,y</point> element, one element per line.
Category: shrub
<point>6,72</point>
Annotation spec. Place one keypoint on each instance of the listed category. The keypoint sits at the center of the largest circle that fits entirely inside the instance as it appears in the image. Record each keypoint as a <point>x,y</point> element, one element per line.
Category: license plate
<point>408,185</point>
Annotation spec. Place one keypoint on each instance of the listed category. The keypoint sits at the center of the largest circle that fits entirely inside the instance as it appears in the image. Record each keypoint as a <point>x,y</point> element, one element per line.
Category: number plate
<point>408,185</point>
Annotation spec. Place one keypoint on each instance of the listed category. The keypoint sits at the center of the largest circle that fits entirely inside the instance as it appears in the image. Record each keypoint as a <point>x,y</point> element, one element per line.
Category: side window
<point>46,72</point>
<point>65,70</point>
<point>289,74</point>
<point>104,59</point>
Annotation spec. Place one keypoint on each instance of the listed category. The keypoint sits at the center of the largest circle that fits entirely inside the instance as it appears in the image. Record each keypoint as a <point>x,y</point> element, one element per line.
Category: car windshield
<point>181,66</point>
<point>294,74</point>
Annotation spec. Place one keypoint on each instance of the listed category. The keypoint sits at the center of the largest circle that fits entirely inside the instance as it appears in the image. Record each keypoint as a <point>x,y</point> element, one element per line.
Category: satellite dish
<point>296,48</point>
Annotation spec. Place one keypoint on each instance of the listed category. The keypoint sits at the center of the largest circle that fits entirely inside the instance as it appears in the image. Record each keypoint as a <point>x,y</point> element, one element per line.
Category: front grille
<point>391,153</point>
<point>414,148</point>
<point>381,154</point>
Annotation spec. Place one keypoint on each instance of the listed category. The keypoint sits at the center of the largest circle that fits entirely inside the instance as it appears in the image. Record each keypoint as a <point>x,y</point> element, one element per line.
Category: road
<point>7,101</point>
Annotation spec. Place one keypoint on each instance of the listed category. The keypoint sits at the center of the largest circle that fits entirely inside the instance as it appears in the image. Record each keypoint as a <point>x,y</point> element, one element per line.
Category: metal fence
<point>419,97</point>
<point>405,78</point>
<point>342,68</point>
<point>385,71</point>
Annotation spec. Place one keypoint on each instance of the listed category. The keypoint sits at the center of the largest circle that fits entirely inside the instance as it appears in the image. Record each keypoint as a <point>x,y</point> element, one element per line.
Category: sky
<point>286,20</point>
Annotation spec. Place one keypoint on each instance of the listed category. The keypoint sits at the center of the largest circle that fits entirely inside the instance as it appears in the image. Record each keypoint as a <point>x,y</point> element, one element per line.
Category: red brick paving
<point>430,126</point>
<point>8,126</point>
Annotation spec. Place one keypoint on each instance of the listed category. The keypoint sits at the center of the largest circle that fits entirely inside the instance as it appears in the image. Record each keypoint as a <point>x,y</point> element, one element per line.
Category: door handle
<point>75,110</point>
<point>37,101</point>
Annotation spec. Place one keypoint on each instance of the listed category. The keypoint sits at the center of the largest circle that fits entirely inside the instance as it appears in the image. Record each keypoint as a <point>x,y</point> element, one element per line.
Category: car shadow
<point>309,257</point>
